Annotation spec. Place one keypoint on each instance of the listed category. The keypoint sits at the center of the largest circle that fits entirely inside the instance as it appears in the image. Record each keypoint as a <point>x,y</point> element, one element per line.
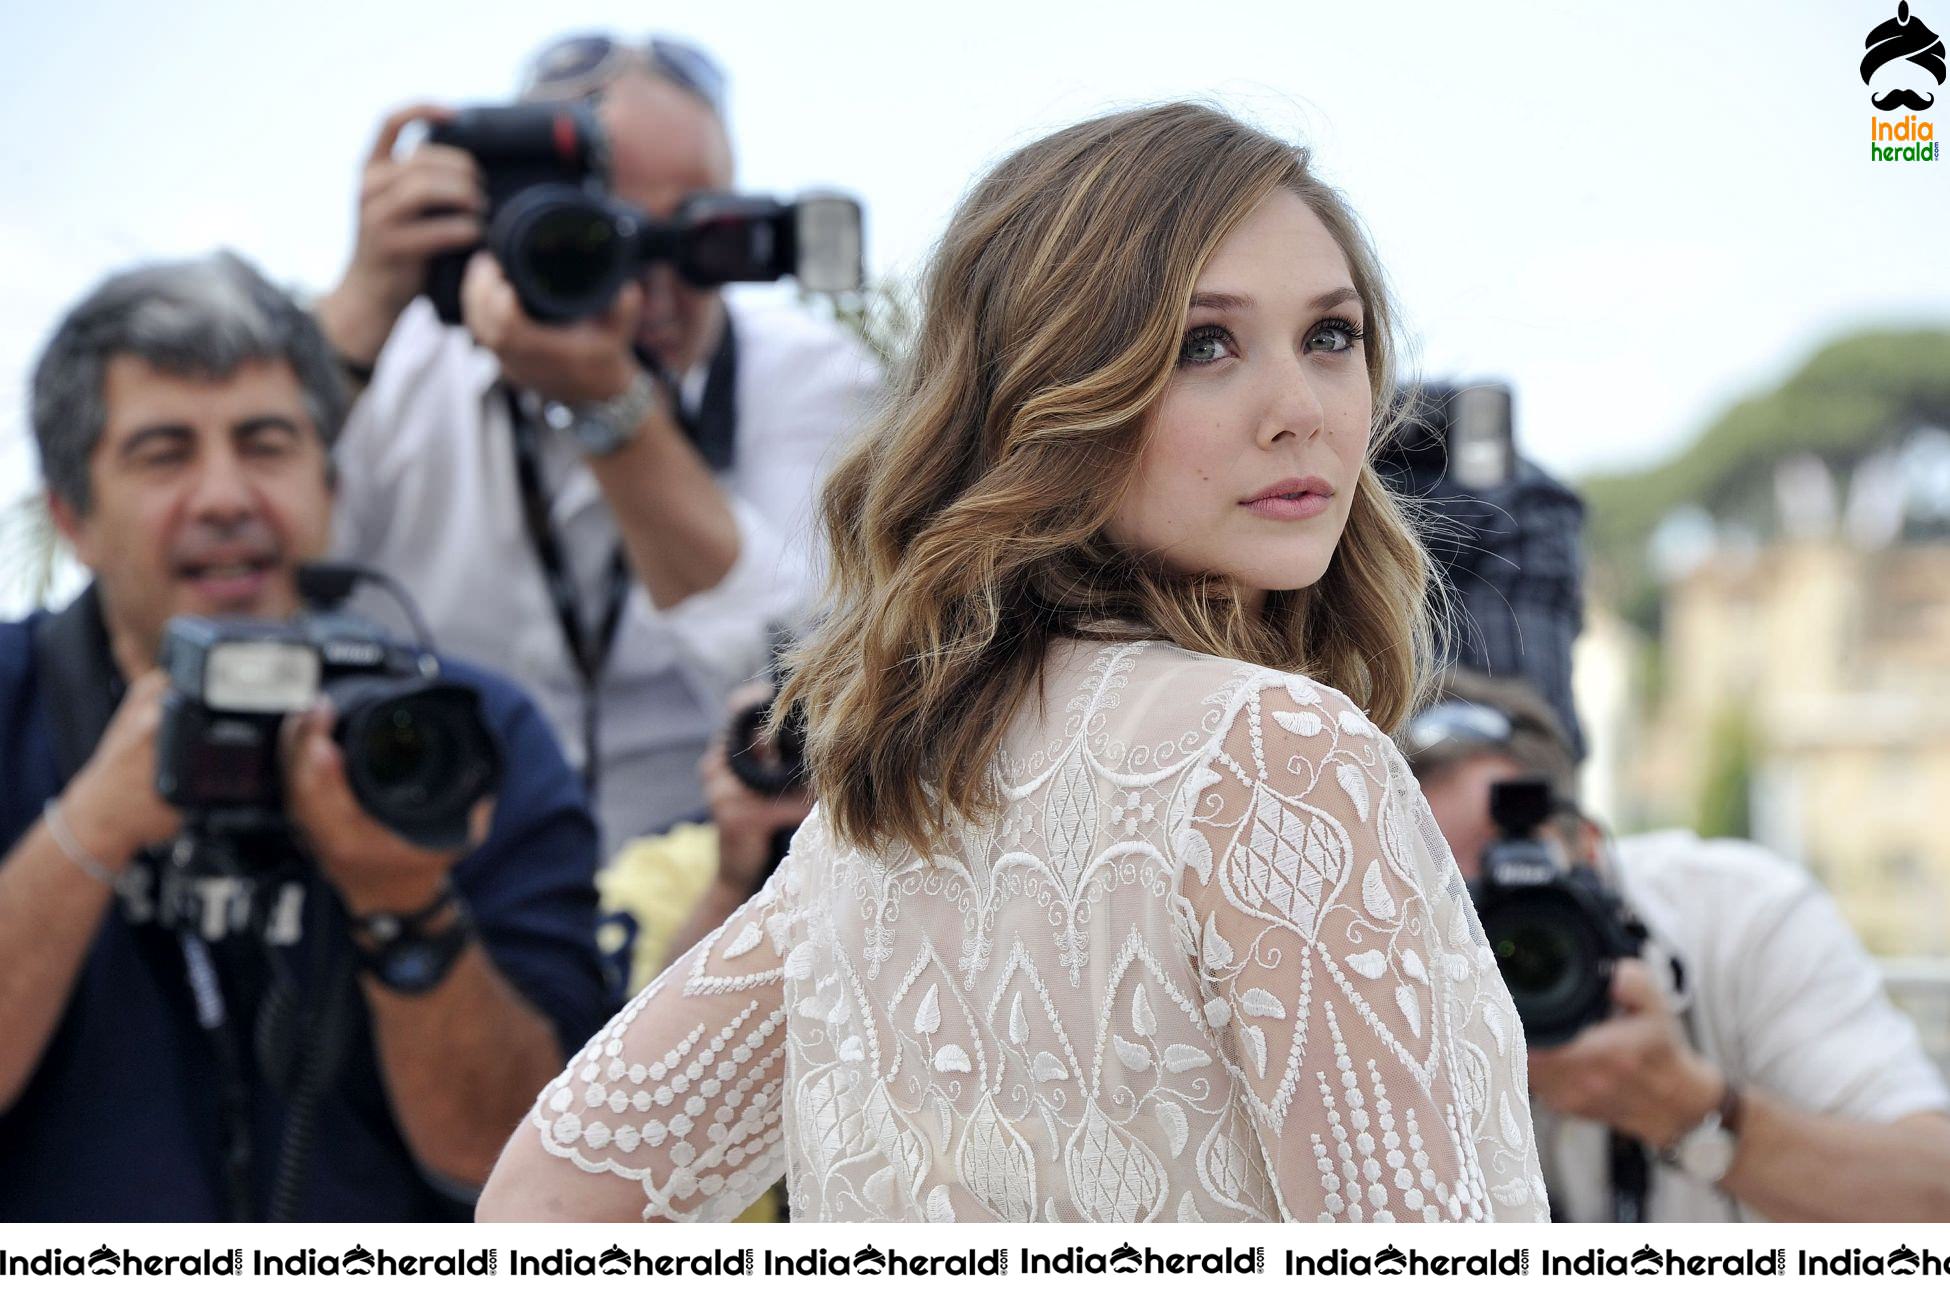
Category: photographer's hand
<point>51,900</point>
<point>410,210</point>
<point>374,869</point>
<point>678,528</point>
<point>573,362</point>
<point>1633,1072</point>
<point>112,805</point>
<point>464,1060</point>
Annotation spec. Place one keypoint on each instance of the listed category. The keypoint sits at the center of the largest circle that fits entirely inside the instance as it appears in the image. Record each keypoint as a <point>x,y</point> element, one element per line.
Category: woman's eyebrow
<point>1215,301</point>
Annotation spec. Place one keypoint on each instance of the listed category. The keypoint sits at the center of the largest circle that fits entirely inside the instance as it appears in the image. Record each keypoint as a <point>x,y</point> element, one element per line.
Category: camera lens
<point>566,252</point>
<point>1534,959</point>
<point>1550,958</point>
<point>408,754</point>
<point>417,754</point>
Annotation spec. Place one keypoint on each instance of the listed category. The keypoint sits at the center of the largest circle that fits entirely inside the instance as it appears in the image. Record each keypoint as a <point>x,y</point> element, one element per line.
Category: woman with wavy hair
<point>1118,903</point>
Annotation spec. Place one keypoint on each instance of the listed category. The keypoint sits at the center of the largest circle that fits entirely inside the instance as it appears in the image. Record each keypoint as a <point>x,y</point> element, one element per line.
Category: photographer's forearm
<point>49,914</point>
<point>1803,1167</point>
<point>678,528</point>
<point>463,1064</point>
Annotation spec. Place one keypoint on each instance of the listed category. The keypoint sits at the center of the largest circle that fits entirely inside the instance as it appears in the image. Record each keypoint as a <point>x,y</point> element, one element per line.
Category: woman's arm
<point>672,1111</point>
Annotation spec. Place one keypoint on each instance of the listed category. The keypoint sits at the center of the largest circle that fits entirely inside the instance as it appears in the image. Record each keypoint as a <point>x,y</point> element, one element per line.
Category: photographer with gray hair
<point>345,1019</point>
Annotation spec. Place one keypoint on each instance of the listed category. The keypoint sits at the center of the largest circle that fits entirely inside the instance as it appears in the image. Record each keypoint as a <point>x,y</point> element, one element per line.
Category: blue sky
<point>1635,213</point>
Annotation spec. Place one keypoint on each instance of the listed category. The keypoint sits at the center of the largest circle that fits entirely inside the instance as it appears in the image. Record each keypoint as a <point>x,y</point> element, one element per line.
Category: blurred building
<point>1804,701</point>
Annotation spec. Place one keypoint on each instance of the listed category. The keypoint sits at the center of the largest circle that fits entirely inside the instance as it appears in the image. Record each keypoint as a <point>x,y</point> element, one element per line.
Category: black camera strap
<point>712,430</point>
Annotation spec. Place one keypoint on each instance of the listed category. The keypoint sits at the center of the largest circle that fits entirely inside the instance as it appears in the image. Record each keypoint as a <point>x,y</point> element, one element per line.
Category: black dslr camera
<point>1556,932</point>
<point>568,246</point>
<point>418,754</point>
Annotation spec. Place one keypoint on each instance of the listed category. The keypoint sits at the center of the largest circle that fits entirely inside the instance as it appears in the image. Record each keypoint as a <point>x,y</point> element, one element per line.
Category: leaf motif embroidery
<point>852,1050</point>
<point>799,964</point>
<point>1197,853</point>
<point>1305,724</point>
<point>1256,1038</point>
<point>1302,692</point>
<point>1412,965</point>
<point>748,937</point>
<point>1493,1019</point>
<point>1177,1129</point>
<point>1405,1001</point>
<point>1218,951</point>
<point>1354,723</point>
<point>941,1209</point>
<point>1018,1027</point>
<point>1217,1012</point>
<point>1512,1128</point>
<point>1048,1067</point>
<point>1374,893</point>
<point>1142,1020</point>
<point>1355,785</point>
<point>1368,963</point>
<point>1183,1058</point>
<point>1134,1056</point>
<point>951,1058</point>
<point>879,1189</point>
<point>1262,1003</point>
<point>927,1019</point>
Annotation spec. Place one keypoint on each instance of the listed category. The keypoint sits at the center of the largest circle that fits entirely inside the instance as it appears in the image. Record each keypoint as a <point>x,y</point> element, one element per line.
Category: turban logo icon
<point>1907,38</point>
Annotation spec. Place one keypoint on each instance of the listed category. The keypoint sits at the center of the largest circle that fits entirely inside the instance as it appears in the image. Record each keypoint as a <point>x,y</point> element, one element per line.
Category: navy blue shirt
<point>123,1118</point>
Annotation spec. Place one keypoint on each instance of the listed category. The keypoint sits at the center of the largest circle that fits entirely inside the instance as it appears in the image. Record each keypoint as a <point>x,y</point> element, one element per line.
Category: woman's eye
<point>1333,335</point>
<point>1204,345</point>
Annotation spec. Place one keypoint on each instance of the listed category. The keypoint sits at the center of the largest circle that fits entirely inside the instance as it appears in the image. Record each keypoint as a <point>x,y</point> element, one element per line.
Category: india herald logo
<point>1903,44</point>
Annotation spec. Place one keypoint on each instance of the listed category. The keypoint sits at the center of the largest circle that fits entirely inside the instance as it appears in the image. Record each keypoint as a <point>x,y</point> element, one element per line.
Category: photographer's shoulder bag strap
<point>712,429</point>
<point>80,685</point>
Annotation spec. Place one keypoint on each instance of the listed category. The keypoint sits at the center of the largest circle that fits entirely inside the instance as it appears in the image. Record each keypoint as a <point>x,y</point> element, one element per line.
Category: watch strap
<point>603,427</point>
<point>399,949</point>
<point>1724,1116</point>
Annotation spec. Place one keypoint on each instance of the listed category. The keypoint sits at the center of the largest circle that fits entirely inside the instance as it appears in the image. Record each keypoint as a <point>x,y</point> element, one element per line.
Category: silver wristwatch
<point>605,427</point>
<point>1705,1153</point>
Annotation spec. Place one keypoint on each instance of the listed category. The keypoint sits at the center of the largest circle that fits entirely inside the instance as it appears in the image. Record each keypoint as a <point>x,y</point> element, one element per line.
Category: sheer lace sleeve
<point>681,1091</point>
<point>1345,977</point>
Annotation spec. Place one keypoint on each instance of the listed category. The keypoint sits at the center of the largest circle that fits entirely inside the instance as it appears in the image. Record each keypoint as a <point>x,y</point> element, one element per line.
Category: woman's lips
<point>1288,508</point>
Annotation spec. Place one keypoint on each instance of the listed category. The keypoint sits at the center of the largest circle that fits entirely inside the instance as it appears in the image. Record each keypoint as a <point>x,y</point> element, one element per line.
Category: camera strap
<point>588,653</point>
<point>712,429</point>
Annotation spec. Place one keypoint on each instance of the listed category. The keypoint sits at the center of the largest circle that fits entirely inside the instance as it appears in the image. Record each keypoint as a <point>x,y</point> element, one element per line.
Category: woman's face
<point>1251,455</point>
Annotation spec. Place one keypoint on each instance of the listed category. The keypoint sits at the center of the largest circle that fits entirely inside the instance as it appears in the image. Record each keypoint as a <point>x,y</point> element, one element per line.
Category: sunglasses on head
<point>577,67</point>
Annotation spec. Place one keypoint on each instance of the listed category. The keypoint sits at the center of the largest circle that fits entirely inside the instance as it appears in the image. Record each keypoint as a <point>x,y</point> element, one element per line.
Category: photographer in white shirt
<point>1769,1077</point>
<point>432,490</point>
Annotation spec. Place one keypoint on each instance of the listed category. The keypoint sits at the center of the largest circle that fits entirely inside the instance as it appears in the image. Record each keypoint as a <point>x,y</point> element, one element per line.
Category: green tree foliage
<point>1850,398</point>
<point>1726,794</point>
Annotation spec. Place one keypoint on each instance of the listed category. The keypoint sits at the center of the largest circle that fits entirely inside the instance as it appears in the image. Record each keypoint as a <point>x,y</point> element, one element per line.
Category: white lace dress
<point>1212,962</point>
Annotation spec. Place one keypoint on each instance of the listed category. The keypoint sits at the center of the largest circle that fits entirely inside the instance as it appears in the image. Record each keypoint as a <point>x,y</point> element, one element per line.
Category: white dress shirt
<point>430,494</point>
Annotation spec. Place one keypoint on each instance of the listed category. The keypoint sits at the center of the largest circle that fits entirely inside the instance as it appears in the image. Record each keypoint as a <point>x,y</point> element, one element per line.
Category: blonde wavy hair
<point>966,528</point>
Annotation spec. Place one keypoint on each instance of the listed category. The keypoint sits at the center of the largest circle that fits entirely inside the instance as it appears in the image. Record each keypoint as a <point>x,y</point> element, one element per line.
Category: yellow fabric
<point>658,881</point>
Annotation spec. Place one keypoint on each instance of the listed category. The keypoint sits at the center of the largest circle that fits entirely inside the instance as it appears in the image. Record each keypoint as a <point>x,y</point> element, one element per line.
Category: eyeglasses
<point>577,67</point>
<point>1457,722</point>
